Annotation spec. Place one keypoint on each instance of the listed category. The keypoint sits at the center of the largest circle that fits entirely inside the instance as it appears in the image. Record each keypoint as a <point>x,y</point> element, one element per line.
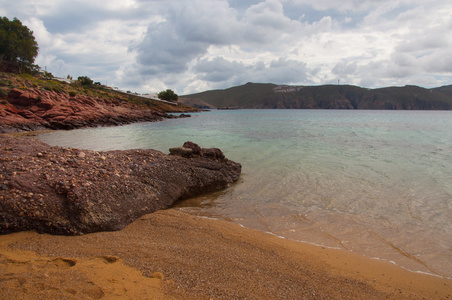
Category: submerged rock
<point>62,191</point>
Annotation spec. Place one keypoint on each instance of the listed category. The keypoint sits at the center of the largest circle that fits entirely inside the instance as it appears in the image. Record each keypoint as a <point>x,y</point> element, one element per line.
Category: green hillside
<point>260,95</point>
<point>247,95</point>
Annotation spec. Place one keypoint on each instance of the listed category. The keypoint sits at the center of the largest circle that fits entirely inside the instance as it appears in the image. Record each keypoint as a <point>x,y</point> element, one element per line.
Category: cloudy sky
<point>196,45</point>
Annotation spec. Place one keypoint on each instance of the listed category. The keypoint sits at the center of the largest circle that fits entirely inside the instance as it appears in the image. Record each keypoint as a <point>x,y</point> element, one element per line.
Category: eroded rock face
<point>40,109</point>
<point>70,191</point>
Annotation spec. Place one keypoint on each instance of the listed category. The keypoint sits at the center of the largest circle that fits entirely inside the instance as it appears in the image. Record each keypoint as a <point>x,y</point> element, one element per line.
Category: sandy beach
<point>172,255</point>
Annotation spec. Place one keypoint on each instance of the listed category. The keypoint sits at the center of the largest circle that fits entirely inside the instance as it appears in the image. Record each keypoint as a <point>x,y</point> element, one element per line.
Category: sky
<point>190,46</point>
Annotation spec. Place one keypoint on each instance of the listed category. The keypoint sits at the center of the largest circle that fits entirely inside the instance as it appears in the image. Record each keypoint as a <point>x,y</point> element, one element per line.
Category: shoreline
<point>429,272</point>
<point>371,246</point>
<point>315,244</point>
<point>29,104</point>
<point>382,258</point>
<point>182,256</point>
<point>165,285</point>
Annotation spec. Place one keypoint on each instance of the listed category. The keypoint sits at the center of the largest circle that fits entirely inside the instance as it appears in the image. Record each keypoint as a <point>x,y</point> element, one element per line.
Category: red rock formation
<point>39,109</point>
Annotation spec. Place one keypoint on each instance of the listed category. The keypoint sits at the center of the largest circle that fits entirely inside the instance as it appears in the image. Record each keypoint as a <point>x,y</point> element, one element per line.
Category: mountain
<point>267,95</point>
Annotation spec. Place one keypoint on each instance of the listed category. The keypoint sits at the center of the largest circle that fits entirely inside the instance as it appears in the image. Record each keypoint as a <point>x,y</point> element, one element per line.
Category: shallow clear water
<point>375,182</point>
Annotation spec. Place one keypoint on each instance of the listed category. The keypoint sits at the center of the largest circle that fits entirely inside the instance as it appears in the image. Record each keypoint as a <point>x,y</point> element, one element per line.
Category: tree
<point>48,75</point>
<point>168,95</point>
<point>85,80</point>
<point>17,43</point>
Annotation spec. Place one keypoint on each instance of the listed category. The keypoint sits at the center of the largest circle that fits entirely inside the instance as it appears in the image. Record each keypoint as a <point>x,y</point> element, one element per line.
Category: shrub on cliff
<point>17,44</point>
<point>168,95</point>
<point>85,80</point>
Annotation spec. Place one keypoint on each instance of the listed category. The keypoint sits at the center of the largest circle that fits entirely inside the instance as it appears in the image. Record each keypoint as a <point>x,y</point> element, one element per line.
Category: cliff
<point>258,95</point>
<point>28,103</point>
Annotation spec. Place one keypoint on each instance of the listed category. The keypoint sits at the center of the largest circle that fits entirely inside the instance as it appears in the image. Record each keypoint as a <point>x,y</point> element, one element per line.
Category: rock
<point>52,190</point>
<point>34,109</point>
<point>196,148</point>
<point>181,151</point>
<point>21,98</point>
<point>214,153</point>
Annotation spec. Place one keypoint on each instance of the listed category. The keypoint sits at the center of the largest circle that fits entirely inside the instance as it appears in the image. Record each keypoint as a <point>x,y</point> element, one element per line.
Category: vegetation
<point>85,80</point>
<point>168,95</point>
<point>48,75</point>
<point>17,44</point>
<point>248,95</point>
<point>18,50</point>
<point>9,81</point>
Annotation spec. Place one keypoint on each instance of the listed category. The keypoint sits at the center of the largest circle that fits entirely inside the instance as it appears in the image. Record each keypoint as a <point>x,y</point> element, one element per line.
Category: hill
<point>267,95</point>
<point>31,103</point>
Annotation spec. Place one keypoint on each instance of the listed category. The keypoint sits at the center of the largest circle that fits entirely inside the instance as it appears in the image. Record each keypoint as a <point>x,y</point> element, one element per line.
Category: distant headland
<point>273,96</point>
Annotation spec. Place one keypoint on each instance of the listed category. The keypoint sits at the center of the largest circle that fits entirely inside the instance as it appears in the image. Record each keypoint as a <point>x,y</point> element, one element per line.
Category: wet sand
<point>172,255</point>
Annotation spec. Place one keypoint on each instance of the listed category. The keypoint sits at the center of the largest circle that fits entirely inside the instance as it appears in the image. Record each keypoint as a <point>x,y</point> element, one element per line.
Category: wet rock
<point>102,191</point>
<point>214,153</point>
<point>194,147</point>
<point>181,151</point>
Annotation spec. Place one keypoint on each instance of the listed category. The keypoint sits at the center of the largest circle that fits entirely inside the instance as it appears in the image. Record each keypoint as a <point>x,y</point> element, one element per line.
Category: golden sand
<point>172,255</point>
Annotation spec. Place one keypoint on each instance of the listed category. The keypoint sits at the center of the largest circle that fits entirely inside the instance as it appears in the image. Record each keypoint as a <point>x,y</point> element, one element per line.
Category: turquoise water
<point>374,182</point>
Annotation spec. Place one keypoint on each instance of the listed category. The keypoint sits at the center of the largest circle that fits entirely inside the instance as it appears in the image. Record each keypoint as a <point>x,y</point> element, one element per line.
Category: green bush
<point>48,75</point>
<point>72,93</point>
<point>85,80</point>
<point>168,95</point>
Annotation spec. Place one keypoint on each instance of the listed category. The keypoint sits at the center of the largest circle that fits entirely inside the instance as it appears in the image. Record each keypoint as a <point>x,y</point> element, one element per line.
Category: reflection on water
<point>375,182</point>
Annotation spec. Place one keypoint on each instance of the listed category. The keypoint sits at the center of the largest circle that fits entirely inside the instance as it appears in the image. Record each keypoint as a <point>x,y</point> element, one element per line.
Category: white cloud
<point>264,23</point>
<point>193,45</point>
<point>218,69</point>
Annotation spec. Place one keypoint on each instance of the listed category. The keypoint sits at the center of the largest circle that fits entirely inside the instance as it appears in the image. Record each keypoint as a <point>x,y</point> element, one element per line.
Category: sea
<point>374,182</point>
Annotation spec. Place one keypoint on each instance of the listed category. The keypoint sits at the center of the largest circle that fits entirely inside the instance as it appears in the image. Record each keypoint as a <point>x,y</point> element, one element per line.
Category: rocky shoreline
<point>38,109</point>
<point>71,191</point>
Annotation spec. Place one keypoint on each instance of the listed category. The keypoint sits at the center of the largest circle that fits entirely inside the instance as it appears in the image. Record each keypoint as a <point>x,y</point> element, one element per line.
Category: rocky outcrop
<point>42,109</point>
<point>70,191</point>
